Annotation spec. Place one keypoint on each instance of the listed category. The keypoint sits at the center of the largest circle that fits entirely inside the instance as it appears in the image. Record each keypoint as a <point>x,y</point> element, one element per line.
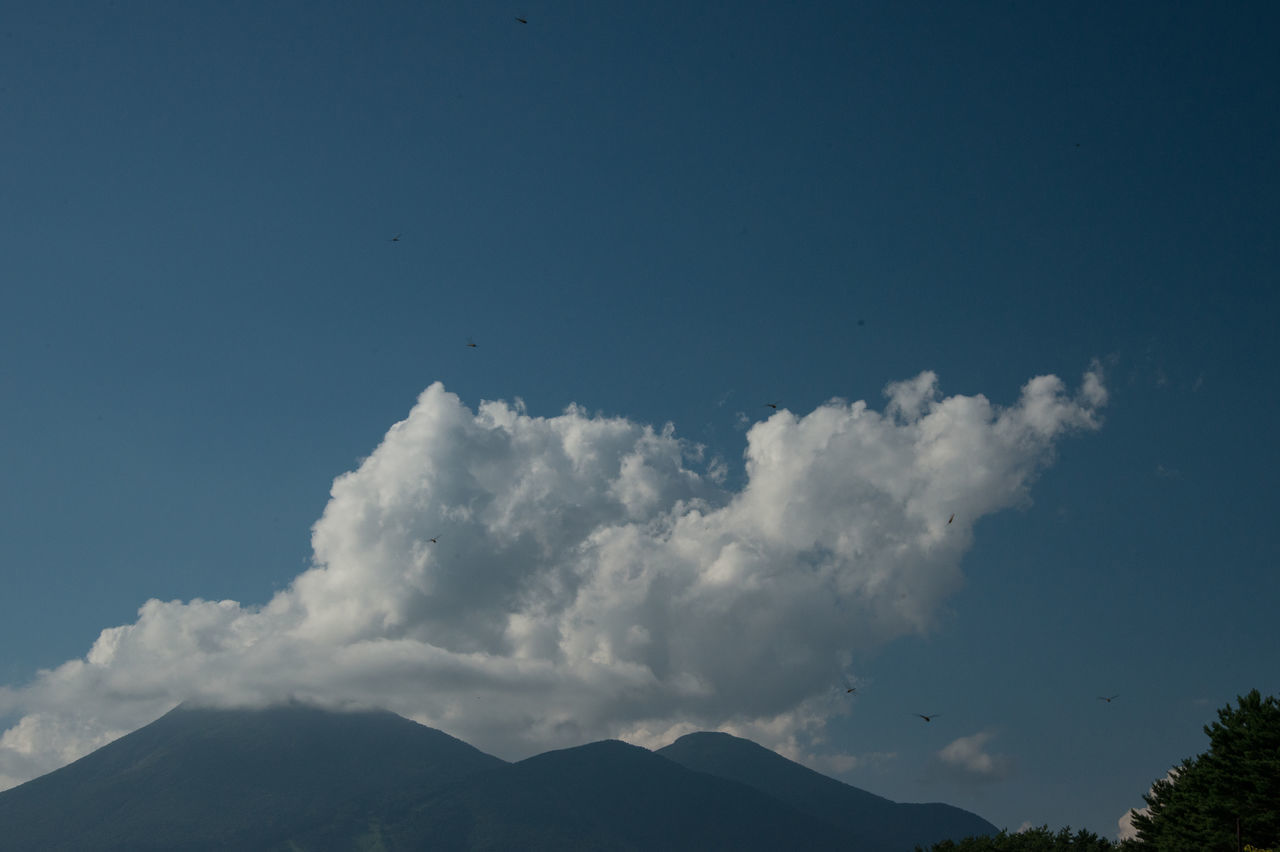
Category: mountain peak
<point>233,778</point>
<point>874,822</point>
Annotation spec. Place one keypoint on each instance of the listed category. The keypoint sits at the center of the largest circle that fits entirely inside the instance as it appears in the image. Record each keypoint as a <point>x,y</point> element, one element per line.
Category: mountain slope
<point>235,779</point>
<point>608,796</point>
<point>870,822</point>
<point>303,779</point>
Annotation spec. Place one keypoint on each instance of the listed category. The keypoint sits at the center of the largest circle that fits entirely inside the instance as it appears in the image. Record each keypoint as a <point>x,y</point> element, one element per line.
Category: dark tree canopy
<point>1235,785</point>
<point>1033,840</point>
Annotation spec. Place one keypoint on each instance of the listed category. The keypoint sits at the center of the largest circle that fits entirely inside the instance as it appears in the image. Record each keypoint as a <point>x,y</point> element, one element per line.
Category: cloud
<point>969,759</point>
<point>591,577</point>
<point>1124,825</point>
<point>832,763</point>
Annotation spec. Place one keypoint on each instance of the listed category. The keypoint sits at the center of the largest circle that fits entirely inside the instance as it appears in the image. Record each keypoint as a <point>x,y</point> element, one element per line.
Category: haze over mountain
<point>302,778</point>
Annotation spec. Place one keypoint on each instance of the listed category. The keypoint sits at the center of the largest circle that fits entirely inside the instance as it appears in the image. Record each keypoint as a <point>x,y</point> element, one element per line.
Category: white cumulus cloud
<point>590,577</point>
<point>1125,829</point>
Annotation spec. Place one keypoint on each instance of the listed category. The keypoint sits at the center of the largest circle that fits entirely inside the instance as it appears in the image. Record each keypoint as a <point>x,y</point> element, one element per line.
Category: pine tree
<point>1227,796</point>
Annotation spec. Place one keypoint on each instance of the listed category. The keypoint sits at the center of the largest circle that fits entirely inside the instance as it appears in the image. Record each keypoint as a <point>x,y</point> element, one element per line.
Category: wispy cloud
<point>590,576</point>
<point>969,758</point>
<point>837,764</point>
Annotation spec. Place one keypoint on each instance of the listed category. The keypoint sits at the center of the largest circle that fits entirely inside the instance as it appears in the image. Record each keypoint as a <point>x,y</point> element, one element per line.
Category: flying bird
<point>394,239</point>
<point>772,405</point>
<point>851,689</point>
<point>928,718</point>
<point>522,20</point>
<point>432,540</point>
<point>952,518</point>
<point>470,344</point>
<point>1108,698</point>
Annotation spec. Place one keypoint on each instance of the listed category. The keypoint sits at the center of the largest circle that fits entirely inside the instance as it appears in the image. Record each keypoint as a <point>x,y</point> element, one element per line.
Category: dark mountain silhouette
<point>608,796</point>
<point>235,779</point>
<point>870,822</point>
<point>300,778</point>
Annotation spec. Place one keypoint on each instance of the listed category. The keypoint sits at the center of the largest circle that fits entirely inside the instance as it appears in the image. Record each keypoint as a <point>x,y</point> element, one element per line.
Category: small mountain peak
<point>717,737</point>
<point>708,735</point>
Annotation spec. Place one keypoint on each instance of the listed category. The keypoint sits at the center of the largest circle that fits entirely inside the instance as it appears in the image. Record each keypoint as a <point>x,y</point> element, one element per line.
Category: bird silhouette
<point>1108,698</point>
<point>952,518</point>
<point>470,345</point>
<point>928,718</point>
<point>394,239</point>
<point>851,689</point>
<point>522,20</point>
<point>772,405</point>
<point>432,540</point>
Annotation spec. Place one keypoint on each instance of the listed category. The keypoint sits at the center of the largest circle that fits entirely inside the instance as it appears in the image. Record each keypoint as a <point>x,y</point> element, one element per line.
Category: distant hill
<point>303,779</point>
<point>871,823</point>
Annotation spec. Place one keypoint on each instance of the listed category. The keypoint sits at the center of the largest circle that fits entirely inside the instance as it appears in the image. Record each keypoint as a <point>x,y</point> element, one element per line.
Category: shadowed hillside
<point>303,779</point>
<point>614,796</point>
<point>235,779</point>
<point>869,822</point>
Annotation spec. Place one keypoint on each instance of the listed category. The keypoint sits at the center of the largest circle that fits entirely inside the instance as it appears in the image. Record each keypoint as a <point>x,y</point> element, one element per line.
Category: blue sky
<point>663,215</point>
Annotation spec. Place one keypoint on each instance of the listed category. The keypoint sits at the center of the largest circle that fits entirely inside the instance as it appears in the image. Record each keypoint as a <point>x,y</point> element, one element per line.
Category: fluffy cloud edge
<point>526,582</point>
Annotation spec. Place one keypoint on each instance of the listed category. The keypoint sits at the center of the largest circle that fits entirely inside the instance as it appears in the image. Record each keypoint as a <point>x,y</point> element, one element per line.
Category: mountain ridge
<point>873,821</point>
<point>298,777</point>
